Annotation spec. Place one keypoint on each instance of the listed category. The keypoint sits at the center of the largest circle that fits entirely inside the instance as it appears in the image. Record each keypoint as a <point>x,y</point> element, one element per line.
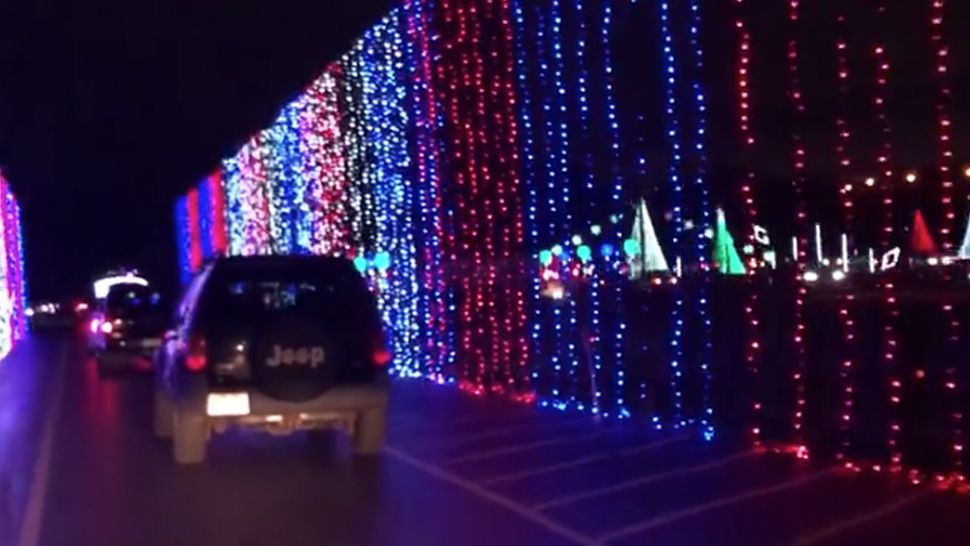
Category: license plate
<point>151,343</point>
<point>228,404</point>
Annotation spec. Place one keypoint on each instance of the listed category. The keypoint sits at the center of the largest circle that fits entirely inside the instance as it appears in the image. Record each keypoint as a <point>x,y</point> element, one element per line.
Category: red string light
<point>884,155</point>
<point>846,321</point>
<point>511,206</point>
<point>952,391</point>
<point>751,306</point>
<point>890,304</point>
<point>942,70</point>
<point>219,235</point>
<point>481,212</point>
<point>420,21</point>
<point>944,127</point>
<point>473,303</point>
<point>801,218</point>
<point>195,235</point>
<point>446,87</point>
<point>475,79</point>
<point>842,127</point>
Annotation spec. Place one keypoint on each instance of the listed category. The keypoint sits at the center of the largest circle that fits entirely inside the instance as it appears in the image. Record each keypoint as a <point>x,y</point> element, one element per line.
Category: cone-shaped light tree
<point>965,246</point>
<point>726,256</point>
<point>648,256</point>
<point>921,241</point>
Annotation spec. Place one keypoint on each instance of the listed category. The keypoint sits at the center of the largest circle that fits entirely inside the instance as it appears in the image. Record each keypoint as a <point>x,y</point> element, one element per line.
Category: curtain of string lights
<point>484,163</point>
<point>13,291</point>
<point>333,175</point>
<point>13,288</point>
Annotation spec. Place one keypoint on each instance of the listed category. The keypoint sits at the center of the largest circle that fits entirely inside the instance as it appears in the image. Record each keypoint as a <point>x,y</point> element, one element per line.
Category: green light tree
<point>726,256</point>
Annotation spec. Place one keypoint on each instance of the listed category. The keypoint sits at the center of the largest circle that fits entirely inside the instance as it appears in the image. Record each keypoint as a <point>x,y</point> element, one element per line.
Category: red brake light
<point>380,356</point>
<point>195,361</point>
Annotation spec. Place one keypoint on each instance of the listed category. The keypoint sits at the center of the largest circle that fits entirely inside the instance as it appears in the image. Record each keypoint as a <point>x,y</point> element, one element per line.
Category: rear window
<point>133,301</point>
<point>253,294</point>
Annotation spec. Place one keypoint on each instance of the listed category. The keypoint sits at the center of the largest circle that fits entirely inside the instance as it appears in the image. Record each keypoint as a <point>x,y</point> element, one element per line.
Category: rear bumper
<point>353,398</point>
<point>113,358</point>
<point>133,346</point>
<point>339,407</point>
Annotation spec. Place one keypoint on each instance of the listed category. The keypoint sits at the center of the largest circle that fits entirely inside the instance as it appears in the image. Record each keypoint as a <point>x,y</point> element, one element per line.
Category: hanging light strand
<point>801,218</point>
<point>671,110</point>
<point>703,211</point>
<point>846,363</point>
<point>752,345</point>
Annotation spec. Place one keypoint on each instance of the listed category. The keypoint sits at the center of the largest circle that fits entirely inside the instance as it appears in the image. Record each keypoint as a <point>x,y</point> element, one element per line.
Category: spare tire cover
<point>295,359</point>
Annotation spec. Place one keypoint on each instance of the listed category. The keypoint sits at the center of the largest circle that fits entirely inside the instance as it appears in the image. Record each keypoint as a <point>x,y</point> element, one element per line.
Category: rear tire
<point>190,437</point>
<point>103,369</point>
<point>164,415</point>
<point>111,364</point>
<point>370,432</point>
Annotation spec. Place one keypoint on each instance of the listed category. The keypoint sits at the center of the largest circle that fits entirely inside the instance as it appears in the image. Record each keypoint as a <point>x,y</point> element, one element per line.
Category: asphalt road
<point>80,466</point>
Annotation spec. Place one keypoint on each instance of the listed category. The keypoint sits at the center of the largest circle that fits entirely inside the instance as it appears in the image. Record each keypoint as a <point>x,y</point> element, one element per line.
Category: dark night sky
<point>110,108</point>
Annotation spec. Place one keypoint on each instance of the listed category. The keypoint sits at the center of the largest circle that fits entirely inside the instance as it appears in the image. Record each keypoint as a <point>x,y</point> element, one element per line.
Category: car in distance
<point>127,327</point>
<point>280,344</point>
<point>55,315</point>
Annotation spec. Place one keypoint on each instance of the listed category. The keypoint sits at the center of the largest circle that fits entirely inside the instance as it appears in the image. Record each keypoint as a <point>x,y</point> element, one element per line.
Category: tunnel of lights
<point>13,283</point>
<point>540,221</point>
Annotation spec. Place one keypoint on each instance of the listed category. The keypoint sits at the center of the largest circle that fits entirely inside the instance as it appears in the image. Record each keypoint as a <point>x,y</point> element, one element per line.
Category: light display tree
<point>921,240</point>
<point>646,256</point>
<point>726,256</point>
<point>964,253</point>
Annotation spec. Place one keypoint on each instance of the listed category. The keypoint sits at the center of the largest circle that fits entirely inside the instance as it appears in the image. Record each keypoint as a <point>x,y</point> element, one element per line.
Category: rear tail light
<point>380,355</point>
<point>195,360</point>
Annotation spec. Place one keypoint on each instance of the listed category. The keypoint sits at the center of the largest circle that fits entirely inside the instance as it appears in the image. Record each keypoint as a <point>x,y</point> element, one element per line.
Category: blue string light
<point>205,219</point>
<point>385,83</point>
<point>582,99</point>
<point>676,365</point>
<point>234,213</point>
<point>548,215</point>
<point>523,69</point>
<point>704,210</point>
<point>295,168</point>
<point>280,190</point>
<point>182,239</point>
<point>435,348</point>
<point>619,376</point>
<point>563,179</point>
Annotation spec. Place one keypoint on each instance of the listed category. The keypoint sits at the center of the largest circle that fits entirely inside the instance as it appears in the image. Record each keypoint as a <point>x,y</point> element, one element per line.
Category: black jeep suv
<point>276,343</point>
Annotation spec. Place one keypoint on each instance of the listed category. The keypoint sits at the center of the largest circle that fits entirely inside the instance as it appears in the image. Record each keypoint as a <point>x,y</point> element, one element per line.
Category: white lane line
<point>509,450</point>
<point>569,499</point>
<point>589,459</point>
<point>863,518</point>
<point>33,517</point>
<point>479,491</point>
<point>713,505</point>
<point>454,441</point>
